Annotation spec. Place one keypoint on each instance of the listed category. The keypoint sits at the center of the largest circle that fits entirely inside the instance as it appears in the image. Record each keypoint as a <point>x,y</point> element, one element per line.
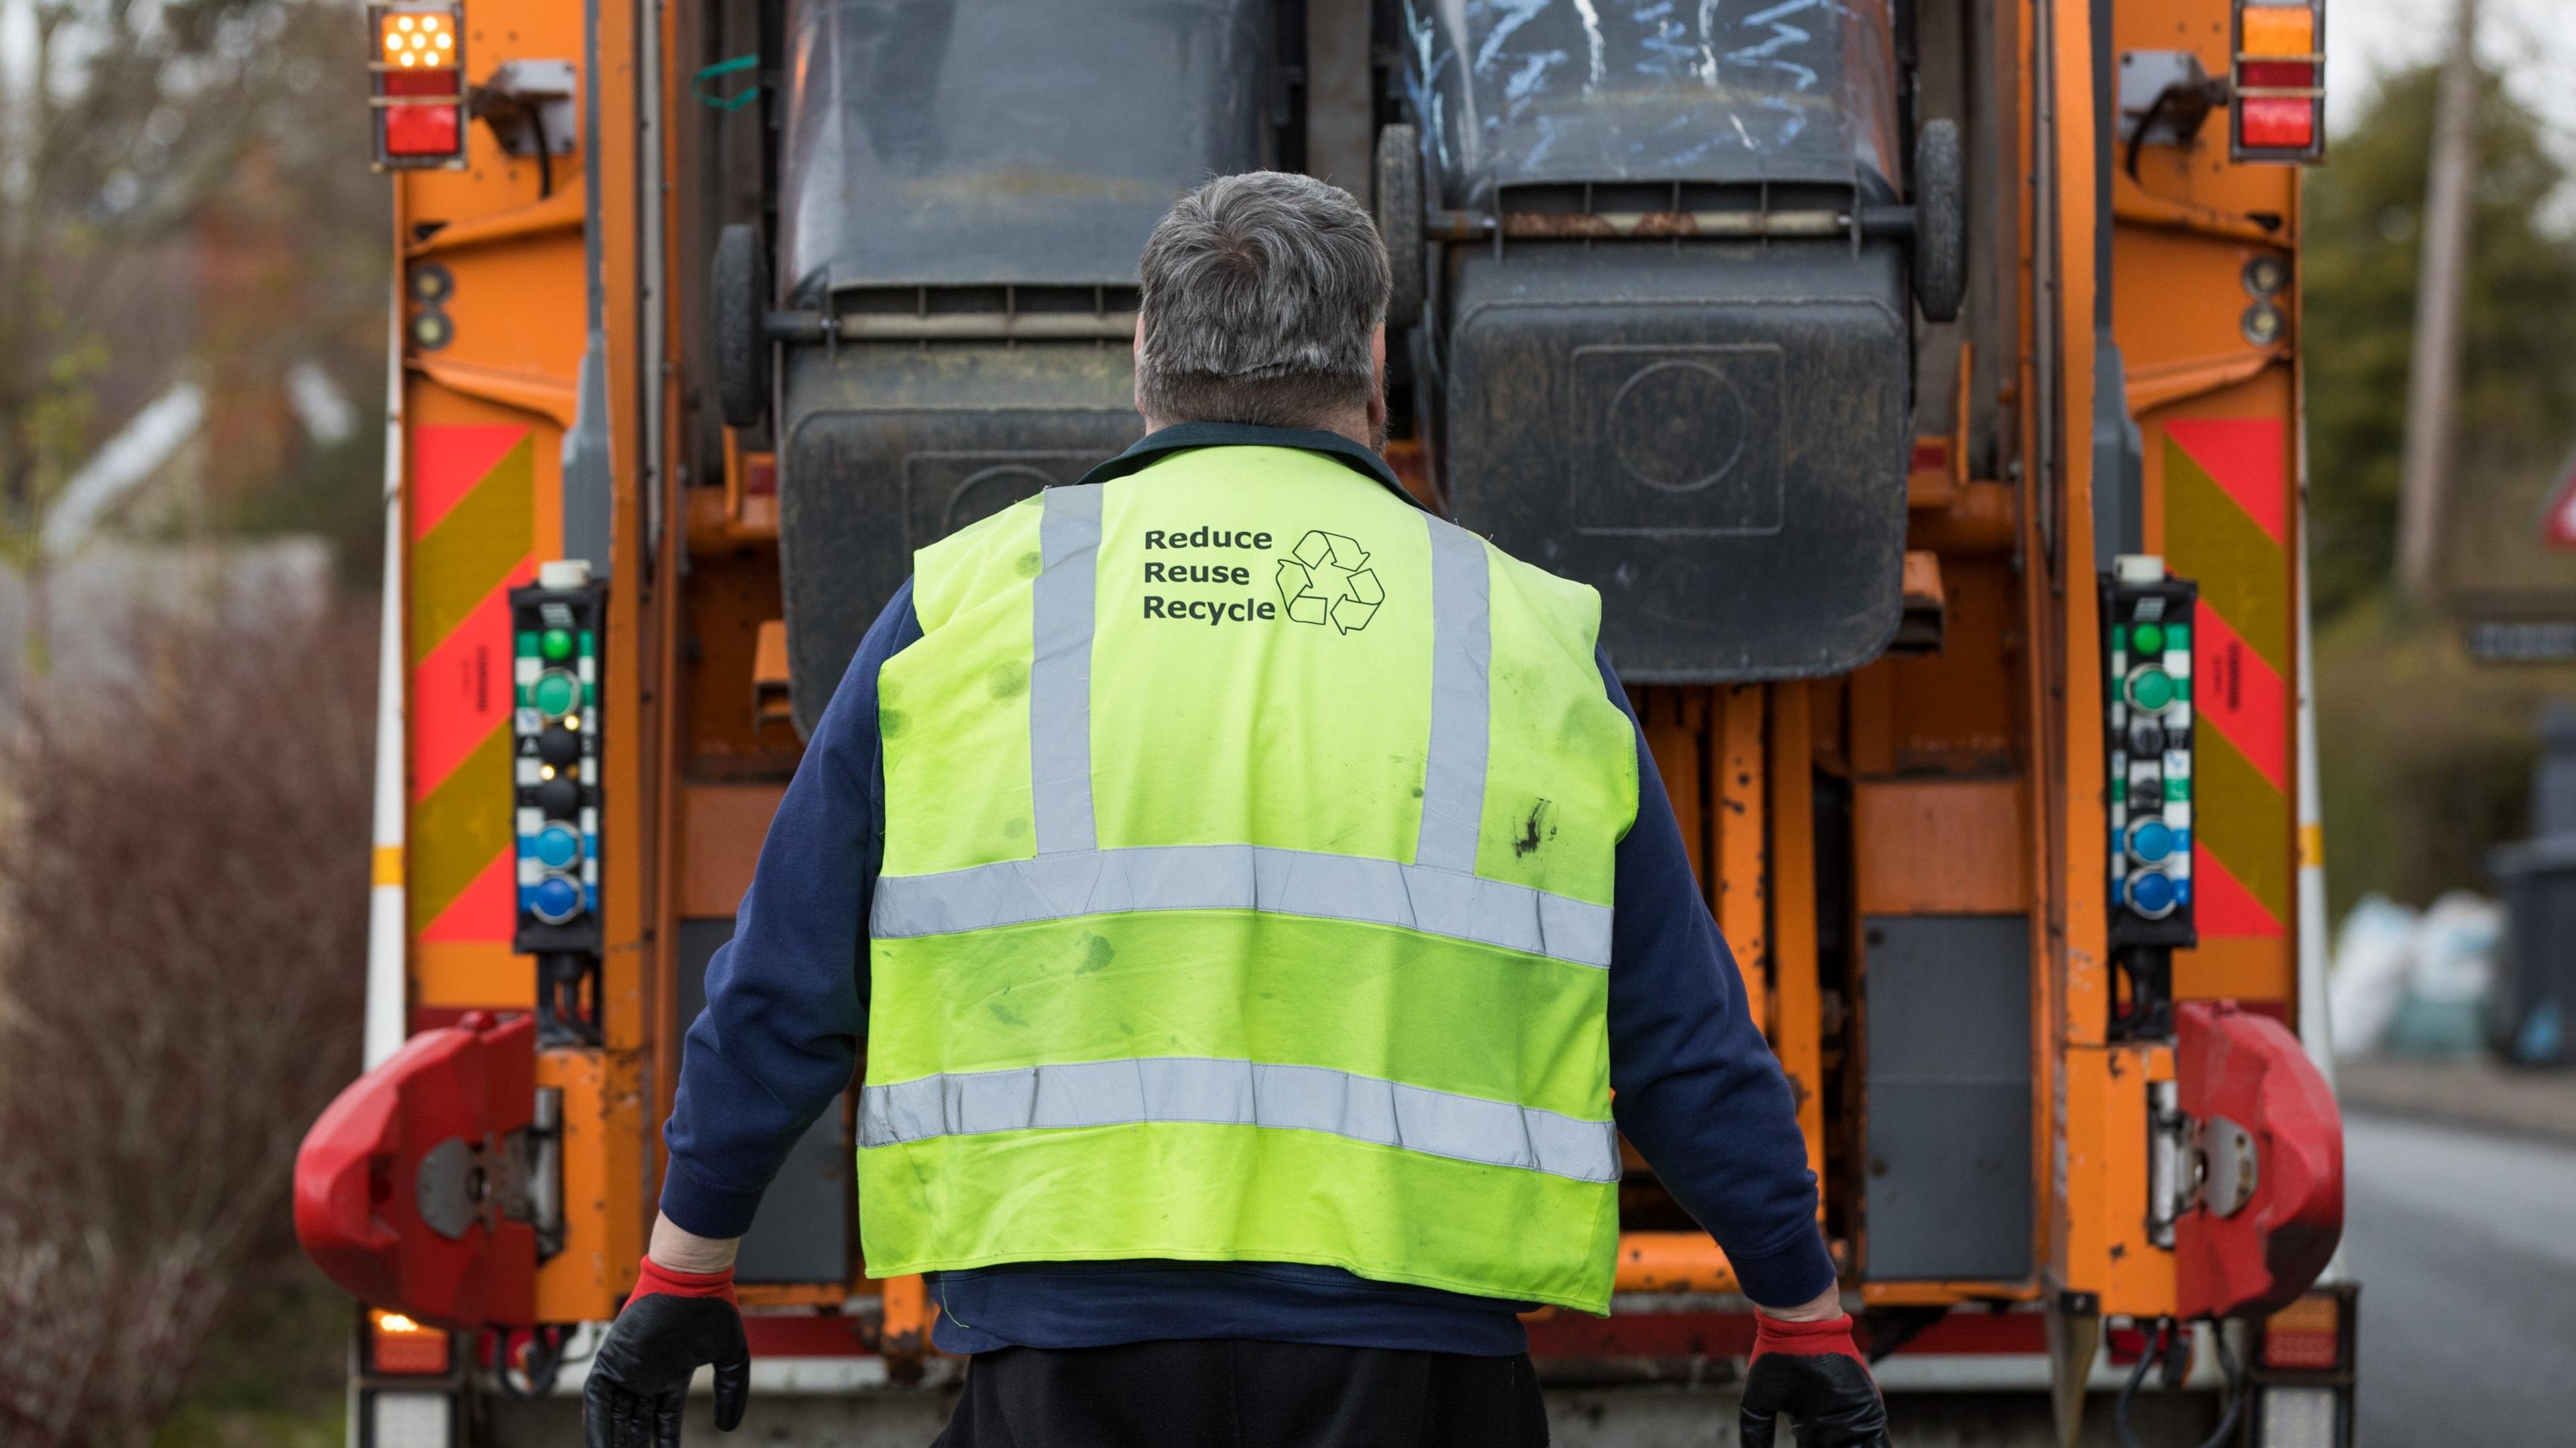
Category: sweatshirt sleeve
<point>787,996</point>
<point>1698,1091</point>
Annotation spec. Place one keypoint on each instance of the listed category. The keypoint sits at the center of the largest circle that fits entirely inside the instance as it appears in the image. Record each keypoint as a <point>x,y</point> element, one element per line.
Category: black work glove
<point>639,1378</point>
<point>1812,1372</point>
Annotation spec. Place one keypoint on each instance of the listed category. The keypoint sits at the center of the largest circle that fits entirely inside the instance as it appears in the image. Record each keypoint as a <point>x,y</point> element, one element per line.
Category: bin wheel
<point>737,298</point>
<point>1399,222</point>
<point>1940,221</point>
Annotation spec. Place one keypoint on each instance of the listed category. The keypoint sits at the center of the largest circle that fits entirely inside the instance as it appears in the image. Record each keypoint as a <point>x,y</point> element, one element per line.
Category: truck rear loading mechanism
<point>1917,380</point>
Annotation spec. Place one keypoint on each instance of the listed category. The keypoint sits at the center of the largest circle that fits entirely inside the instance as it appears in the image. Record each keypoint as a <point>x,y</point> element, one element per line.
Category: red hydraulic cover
<point>407,1187</point>
<point>2270,1206</point>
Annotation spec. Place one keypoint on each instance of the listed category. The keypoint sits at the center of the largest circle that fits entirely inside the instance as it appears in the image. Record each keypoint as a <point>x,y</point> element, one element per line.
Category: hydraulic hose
<point>540,1361</point>
<point>2234,1391</point>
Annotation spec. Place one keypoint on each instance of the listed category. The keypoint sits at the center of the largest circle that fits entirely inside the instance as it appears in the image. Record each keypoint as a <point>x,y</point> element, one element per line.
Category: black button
<point>2146,739</point>
<point>2147,793</point>
<point>559,798</point>
<point>558,746</point>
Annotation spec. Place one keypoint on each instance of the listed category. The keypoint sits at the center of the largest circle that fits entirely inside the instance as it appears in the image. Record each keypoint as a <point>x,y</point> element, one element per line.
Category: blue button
<point>555,900</point>
<point>2151,893</point>
<point>557,845</point>
<point>2149,841</point>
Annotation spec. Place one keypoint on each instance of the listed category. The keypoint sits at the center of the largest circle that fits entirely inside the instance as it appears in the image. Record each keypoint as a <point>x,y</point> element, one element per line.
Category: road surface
<point>2465,1245</point>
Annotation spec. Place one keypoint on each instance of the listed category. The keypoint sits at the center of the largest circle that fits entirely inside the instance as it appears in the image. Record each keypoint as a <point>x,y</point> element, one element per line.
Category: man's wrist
<point>680,1250</point>
<point>1824,1308</point>
<point>652,1279</point>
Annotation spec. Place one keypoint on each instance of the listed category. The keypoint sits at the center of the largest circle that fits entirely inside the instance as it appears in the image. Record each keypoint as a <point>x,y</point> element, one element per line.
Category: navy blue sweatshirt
<point>1696,1090</point>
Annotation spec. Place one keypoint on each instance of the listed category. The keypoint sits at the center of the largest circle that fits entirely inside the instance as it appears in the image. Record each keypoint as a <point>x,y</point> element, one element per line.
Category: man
<point>1251,890</point>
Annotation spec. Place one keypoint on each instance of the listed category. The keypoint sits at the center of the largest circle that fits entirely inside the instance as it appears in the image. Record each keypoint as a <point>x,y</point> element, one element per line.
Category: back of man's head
<point>1262,292</point>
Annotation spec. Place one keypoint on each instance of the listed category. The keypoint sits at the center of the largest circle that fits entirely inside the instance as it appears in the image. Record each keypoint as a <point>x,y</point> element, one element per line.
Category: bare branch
<point>181,939</point>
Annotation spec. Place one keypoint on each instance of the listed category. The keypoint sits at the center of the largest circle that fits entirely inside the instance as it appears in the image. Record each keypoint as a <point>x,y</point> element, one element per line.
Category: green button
<point>2151,639</point>
<point>557,645</point>
<point>2151,689</point>
<point>556,693</point>
<point>2177,635</point>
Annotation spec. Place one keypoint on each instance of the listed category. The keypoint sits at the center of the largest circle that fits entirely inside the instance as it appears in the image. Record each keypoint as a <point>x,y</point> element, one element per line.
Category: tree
<point>184,193</point>
<point>121,121</point>
<point>2517,406</point>
<point>2427,753</point>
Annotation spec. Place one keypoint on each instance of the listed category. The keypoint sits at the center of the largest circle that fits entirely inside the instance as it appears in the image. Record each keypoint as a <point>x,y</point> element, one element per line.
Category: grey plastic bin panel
<point>802,1232</point>
<point>1569,91</point>
<point>889,449</point>
<point>924,141</point>
<point>1948,1181</point>
<point>1714,437</point>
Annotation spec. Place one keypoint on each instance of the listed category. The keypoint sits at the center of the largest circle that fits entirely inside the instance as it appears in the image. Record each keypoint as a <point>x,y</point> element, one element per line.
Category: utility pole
<point>2433,372</point>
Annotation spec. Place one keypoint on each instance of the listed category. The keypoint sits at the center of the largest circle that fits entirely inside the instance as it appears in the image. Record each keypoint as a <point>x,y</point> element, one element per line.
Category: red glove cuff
<point>652,1277</point>
<point>1830,1338</point>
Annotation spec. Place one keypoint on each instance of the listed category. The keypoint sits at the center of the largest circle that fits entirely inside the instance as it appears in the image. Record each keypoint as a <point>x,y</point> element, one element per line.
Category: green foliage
<point>185,196</point>
<point>2360,216</point>
<point>273,1372</point>
<point>335,493</point>
<point>194,1426</point>
<point>2426,755</point>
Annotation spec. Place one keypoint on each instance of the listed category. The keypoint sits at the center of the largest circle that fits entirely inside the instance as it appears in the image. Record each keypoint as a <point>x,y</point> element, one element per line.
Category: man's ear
<point>1377,393</point>
<point>1139,395</point>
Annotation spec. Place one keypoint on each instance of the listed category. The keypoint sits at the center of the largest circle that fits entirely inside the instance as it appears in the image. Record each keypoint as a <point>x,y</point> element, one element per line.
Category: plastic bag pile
<point>2415,983</point>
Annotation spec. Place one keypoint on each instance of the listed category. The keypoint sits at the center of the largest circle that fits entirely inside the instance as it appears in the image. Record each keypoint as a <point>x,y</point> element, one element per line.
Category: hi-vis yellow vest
<point>1246,892</point>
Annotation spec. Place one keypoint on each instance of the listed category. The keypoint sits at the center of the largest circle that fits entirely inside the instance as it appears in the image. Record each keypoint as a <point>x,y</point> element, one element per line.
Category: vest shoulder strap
<point>973,562</point>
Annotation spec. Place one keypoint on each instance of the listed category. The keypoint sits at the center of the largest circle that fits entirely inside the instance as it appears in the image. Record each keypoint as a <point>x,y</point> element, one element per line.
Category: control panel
<point>555,784</point>
<point>2147,642</point>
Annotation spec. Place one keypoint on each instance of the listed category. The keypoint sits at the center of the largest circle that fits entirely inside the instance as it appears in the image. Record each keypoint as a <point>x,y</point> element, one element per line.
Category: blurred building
<point>89,626</point>
<point>219,392</point>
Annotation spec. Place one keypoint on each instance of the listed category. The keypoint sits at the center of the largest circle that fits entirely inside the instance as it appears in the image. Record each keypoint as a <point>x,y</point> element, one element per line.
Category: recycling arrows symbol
<point>1328,577</point>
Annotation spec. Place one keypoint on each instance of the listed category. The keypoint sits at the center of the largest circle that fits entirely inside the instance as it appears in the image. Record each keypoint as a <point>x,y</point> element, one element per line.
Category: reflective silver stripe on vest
<point>1243,877</point>
<point>1240,1093</point>
<point>1462,653</point>
<point>1060,670</point>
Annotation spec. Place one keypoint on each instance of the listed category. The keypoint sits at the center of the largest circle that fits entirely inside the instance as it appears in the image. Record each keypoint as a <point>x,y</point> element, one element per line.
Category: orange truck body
<point>1971,770</point>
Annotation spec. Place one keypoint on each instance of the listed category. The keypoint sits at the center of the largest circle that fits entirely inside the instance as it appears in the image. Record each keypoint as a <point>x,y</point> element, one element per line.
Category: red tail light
<point>2313,1335</point>
<point>396,1344</point>
<point>418,65</point>
<point>2276,74</point>
<point>2276,89</point>
<point>2276,123</point>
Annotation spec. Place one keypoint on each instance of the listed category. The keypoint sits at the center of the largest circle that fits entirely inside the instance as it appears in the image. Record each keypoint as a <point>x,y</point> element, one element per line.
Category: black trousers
<point>1237,1393</point>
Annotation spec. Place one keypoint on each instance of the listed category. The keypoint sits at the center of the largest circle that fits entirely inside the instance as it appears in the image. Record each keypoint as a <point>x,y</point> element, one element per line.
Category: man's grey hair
<point>1261,292</point>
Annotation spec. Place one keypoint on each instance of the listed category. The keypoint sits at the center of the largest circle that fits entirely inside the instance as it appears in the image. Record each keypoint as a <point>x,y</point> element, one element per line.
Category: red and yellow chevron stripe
<point>473,538</point>
<point>2226,509</point>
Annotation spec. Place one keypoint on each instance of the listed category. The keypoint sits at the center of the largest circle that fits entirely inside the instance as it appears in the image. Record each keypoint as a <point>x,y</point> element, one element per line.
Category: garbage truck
<point>1918,382</point>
